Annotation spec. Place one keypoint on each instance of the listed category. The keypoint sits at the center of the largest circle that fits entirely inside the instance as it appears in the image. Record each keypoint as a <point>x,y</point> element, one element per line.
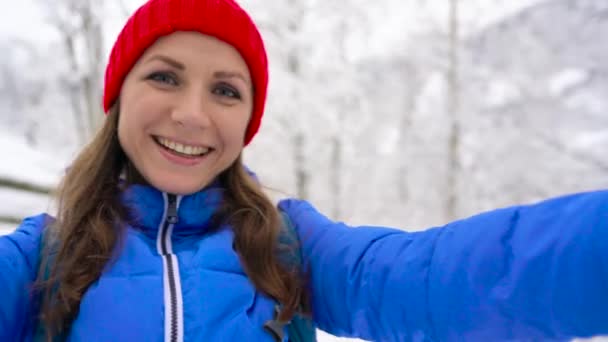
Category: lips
<point>170,150</point>
<point>182,149</point>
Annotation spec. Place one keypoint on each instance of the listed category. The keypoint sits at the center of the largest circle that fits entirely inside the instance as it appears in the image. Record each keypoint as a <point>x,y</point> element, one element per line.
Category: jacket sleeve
<point>18,268</point>
<point>537,272</point>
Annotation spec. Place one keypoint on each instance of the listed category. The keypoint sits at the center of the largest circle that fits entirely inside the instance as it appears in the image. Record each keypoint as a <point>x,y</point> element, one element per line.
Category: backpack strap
<point>300,328</point>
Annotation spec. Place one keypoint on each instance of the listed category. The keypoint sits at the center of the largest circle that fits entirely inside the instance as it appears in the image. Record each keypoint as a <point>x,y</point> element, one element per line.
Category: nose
<point>191,111</point>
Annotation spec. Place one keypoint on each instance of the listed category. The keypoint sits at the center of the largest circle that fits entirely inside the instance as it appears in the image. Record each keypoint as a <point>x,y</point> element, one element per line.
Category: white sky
<point>25,19</point>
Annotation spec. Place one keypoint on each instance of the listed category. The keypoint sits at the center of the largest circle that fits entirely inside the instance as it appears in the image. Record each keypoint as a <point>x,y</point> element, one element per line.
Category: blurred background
<point>406,113</point>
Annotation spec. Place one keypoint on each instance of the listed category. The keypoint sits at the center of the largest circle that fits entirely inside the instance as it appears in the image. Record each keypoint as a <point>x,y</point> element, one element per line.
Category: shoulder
<point>301,211</point>
<point>31,228</point>
<point>23,245</point>
<point>316,230</point>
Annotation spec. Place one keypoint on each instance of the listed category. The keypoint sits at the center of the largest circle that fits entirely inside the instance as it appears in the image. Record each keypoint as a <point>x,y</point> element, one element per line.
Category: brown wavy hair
<point>91,220</point>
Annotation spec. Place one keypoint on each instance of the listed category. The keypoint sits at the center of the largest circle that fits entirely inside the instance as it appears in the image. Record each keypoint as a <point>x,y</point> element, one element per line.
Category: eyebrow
<point>167,60</point>
<point>230,74</point>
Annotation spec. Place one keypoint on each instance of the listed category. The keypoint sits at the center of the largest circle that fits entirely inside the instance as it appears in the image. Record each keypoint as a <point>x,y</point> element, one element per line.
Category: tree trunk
<point>82,26</point>
<point>74,91</point>
<point>10,220</point>
<point>92,32</point>
<point>24,186</point>
<point>302,176</point>
<point>402,168</point>
<point>453,111</point>
<point>335,178</point>
<point>298,137</point>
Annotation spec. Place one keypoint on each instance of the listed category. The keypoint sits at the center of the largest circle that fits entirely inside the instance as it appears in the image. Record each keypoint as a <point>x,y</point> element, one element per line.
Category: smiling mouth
<point>182,150</point>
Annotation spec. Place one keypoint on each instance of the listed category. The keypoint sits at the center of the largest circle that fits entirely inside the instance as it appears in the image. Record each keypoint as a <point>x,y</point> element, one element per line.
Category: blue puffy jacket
<point>535,272</point>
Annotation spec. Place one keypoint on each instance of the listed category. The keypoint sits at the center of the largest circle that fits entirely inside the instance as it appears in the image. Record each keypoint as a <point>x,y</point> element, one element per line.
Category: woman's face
<point>184,109</point>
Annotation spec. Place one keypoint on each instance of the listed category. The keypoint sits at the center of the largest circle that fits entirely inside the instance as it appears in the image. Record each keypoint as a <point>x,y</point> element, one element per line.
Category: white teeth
<point>183,149</point>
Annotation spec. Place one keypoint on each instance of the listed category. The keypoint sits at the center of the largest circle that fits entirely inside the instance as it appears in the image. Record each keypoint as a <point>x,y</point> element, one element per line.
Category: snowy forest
<point>405,113</point>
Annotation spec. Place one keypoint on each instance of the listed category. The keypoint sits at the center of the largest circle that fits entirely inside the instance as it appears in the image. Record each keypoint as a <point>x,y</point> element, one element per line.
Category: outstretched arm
<point>18,268</point>
<point>526,272</point>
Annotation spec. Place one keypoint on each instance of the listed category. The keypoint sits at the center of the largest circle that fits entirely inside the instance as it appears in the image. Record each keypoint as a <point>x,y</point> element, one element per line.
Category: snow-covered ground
<point>19,204</point>
<point>324,337</point>
<point>24,164</point>
<point>6,228</point>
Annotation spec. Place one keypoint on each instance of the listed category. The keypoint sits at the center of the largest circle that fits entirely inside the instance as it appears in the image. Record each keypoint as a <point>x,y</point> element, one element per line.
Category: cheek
<point>137,116</point>
<point>234,130</point>
<point>242,121</point>
<point>125,137</point>
<point>121,130</point>
<point>131,127</point>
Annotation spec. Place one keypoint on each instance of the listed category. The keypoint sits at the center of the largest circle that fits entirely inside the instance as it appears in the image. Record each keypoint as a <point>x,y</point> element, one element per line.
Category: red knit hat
<point>222,19</point>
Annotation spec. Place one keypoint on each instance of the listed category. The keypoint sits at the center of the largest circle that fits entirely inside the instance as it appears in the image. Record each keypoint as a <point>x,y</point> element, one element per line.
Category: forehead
<point>192,48</point>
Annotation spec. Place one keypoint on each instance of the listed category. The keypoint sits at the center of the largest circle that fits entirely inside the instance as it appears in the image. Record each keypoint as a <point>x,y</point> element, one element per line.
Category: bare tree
<point>288,31</point>
<point>405,129</point>
<point>337,140</point>
<point>79,26</point>
<point>24,186</point>
<point>345,98</point>
<point>453,110</point>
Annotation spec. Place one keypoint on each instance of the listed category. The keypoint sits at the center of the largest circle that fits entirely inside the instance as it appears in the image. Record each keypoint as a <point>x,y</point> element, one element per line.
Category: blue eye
<point>163,77</point>
<point>227,91</point>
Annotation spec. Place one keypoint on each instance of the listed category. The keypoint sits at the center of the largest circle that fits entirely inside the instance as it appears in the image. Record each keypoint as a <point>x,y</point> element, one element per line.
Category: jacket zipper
<point>174,311</point>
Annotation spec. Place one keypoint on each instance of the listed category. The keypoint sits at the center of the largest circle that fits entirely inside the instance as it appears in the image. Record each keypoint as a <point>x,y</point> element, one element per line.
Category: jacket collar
<point>195,212</point>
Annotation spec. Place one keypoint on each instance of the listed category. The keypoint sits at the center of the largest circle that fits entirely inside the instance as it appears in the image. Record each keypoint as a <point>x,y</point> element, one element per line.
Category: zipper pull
<point>172,217</point>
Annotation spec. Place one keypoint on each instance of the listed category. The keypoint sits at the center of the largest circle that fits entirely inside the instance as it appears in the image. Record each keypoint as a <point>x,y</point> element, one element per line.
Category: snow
<point>325,337</point>
<point>19,22</point>
<point>501,93</point>
<point>22,204</point>
<point>566,80</point>
<point>590,139</point>
<point>6,228</point>
<point>23,163</point>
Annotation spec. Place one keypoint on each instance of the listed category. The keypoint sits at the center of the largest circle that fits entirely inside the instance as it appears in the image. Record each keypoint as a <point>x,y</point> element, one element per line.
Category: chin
<point>178,186</point>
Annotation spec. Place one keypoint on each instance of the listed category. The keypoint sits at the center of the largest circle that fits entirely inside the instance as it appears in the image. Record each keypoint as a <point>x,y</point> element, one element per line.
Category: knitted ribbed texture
<point>223,19</point>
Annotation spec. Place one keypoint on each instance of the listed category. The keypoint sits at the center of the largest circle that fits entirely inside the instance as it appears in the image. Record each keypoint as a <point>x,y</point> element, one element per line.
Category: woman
<point>161,234</point>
